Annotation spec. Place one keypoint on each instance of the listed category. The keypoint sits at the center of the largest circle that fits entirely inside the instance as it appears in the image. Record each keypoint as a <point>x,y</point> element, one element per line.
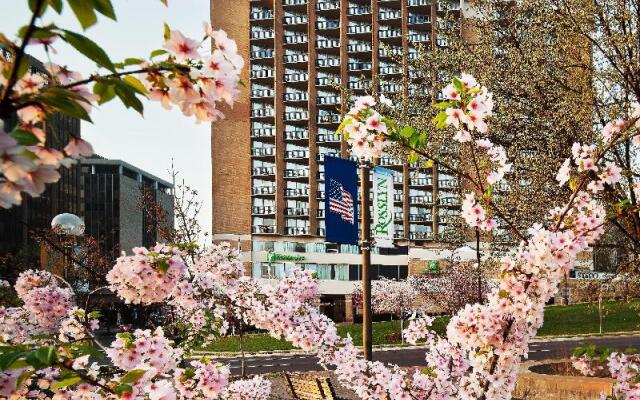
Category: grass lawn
<point>559,320</point>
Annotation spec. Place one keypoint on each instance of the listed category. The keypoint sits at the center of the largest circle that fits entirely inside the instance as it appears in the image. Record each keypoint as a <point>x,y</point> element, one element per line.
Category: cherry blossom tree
<point>196,76</point>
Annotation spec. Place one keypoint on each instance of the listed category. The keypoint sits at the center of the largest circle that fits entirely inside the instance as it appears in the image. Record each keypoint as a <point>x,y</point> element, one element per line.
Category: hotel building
<point>267,155</point>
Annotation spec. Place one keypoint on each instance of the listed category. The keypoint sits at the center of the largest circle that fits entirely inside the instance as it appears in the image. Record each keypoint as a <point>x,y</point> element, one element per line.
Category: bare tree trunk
<point>242,365</point>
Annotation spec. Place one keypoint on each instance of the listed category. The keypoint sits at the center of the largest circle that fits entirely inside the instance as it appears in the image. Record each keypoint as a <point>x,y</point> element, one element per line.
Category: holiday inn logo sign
<point>273,257</point>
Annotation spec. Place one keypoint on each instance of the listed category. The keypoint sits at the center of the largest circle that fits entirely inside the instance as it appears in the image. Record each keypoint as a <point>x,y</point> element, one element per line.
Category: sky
<point>148,142</point>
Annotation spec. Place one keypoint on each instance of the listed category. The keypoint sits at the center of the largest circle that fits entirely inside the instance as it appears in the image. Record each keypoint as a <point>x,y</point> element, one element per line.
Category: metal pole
<point>365,243</point>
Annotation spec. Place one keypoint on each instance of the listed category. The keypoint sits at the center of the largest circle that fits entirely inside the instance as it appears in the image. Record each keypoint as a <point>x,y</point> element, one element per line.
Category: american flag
<point>340,201</point>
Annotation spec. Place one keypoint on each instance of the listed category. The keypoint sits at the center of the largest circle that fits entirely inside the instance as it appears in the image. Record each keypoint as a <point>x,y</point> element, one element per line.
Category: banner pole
<point>365,248</point>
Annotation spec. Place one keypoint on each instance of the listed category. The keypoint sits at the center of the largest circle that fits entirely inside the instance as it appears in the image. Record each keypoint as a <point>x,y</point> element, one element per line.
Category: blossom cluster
<point>144,349</point>
<point>195,83</point>
<point>211,79</point>
<point>148,276</point>
<point>365,129</point>
<point>475,215</point>
<point>27,160</point>
<point>468,105</point>
<point>418,329</point>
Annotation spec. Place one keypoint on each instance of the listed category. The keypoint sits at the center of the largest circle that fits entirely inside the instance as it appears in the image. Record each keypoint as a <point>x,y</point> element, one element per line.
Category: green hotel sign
<point>273,257</point>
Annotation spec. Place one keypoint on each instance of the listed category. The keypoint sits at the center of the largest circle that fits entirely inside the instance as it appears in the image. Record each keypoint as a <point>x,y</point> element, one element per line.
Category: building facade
<point>64,196</point>
<point>267,155</point>
<point>112,204</point>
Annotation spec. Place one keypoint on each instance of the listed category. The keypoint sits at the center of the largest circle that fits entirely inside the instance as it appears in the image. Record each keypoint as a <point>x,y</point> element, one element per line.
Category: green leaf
<point>135,83</point>
<point>83,9</point>
<point>166,31</point>
<point>64,101</point>
<point>7,359</point>
<point>123,388</point>
<point>89,49</point>
<point>56,5</point>
<point>407,131</point>
<point>90,350</point>
<point>23,377</point>
<point>132,61</point>
<point>132,376</point>
<point>440,120</point>
<point>457,83</point>
<point>128,96</point>
<point>162,266</point>
<point>24,138</point>
<point>105,8</point>
<point>47,355</point>
<point>34,3</point>
<point>66,383</point>
<point>413,157</point>
<point>445,104</point>
<point>105,90</point>
<point>157,52</point>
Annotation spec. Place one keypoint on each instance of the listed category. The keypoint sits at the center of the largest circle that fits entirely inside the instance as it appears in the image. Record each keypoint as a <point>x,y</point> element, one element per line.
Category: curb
<point>558,338</point>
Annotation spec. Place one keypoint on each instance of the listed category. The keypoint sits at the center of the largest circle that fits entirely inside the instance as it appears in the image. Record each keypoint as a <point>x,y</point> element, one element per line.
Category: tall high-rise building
<point>267,155</point>
<point>112,204</point>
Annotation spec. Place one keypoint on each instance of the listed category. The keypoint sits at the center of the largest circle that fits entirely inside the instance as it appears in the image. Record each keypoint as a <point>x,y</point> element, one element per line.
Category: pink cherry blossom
<point>182,47</point>
<point>78,147</point>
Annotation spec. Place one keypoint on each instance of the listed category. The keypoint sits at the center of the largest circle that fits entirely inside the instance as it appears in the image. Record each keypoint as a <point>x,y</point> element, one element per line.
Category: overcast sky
<point>148,142</point>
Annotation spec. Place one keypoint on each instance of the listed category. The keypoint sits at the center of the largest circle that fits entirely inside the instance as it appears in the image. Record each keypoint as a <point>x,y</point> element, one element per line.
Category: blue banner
<point>341,200</point>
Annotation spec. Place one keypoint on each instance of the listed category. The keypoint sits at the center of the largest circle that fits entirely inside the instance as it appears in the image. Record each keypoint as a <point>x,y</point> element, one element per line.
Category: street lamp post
<point>365,247</point>
<point>69,225</point>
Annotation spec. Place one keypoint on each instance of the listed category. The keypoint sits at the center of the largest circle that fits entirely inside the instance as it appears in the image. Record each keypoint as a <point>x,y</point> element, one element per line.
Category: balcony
<point>295,38</point>
<point>294,2</point>
<point>389,70</point>
<point>263,210</point>
<point>261,73</point>
<point>448,183</point>
<point>296,154</point>
<point>360,66</point>
<point>358,29</point>
<point>261,15</point>
<point>390,161</point>
<point>263,132</point>
<point>264,171</point>
<point>297,231</point>
<point>296,77</point>
<point>328,100</point>
<point>451,5</point>
<point>263,152</point>
<point>414,3</point>
<point>421,182</point>
<point>329,118</point>
<point>387,14</point>
<point>390,87</point>
<point>296,96</point>
<point>359,47</point>
<point>263,229</point>
<point>449,201</point>
<point>297,192</point>
<point>328,62</point>
<point>420,200</point>
<point>354,10</point>
<point>328,5</point>
<point>389,33</point>
<point>327,43</point>
<point>398,216</point>
<point>398,235</point>
<point>328,24</point>
<point>300,212</point>
<point>296,116</point>
<point>295,19</point>
<point>261,34</point>
<point>321,176</point>
<point>393,51</point>
<point>261,54</point>
<point>295,58</point>
<point>321,157</point>
<point>320,195</point>
<point>420,235</point>
<point>296,173</point>
<point>417,19</point>
<point>360,85</point>
<point>263,190</point>
<point>296,135</point>
<point>420,217</point>
<point>418,37</point>
<point>329,137</point>
<point>262,93</point>
<point>320,213</point>
<point>328,80</point>
<point>322,231</point>
<point>262,112</point>
<point>397,198</point>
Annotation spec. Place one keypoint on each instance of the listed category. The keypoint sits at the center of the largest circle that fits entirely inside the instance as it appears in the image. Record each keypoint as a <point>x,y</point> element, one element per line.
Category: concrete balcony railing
<point>298,192</point>
<point>324,5</point>
<point>264,171</point>
<point>263,151</point>
<point>296,135</point>
<point>258,190</point>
